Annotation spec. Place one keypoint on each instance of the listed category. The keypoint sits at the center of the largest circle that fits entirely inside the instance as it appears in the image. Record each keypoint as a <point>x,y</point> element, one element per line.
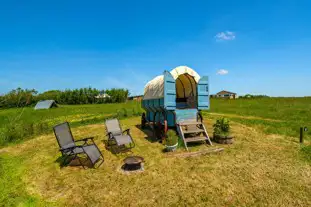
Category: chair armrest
<point>85,140</point>
<point>68,149</point>
<point>109,135</point>
<point>127,131</point>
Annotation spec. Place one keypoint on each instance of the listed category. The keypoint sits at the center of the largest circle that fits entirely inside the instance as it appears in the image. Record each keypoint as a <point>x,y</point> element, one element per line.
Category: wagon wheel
<point>160,131</point>
<point>143,121</point>
<point>157,131</point>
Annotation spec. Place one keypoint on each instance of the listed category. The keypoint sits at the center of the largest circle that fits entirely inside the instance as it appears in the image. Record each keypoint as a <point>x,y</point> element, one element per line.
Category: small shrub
<point>222,127</point>
<point>42,128</point>
<point>29,128</point>
<point>12,133</point>
<point>125,113</point>
<point>171,138</point>
<point>119,114</point>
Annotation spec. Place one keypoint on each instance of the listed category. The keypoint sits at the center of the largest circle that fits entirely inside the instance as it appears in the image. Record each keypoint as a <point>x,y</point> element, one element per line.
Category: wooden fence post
<point>301,134</point>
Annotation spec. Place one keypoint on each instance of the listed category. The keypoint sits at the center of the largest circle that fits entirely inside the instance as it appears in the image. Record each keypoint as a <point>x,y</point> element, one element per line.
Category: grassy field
<point>273,115</point>
<point>266,166</point>
<point>20,124</point>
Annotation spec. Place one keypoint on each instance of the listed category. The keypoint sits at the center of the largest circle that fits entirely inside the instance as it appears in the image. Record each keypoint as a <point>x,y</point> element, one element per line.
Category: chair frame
<point>74,155</point>
<point>112,142</point>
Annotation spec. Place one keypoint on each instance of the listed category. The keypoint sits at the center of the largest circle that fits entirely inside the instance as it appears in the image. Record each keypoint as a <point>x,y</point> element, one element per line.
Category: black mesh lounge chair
<point>118,140</point>
<point>71,149</point>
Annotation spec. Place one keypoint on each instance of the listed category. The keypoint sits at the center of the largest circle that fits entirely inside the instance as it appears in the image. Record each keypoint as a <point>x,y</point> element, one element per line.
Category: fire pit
<point>133,163</point>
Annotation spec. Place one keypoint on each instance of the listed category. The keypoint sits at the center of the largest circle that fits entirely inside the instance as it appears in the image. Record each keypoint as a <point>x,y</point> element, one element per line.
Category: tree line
<point>27,97</point>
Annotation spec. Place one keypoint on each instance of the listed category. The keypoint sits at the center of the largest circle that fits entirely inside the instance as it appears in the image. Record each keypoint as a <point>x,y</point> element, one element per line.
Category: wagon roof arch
<point>176,72</point>
<point>154,89</point>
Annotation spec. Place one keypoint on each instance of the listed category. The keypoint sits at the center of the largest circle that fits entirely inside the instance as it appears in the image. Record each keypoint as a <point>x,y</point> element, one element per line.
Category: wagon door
<point>169,91</point>
<point>203,93</point>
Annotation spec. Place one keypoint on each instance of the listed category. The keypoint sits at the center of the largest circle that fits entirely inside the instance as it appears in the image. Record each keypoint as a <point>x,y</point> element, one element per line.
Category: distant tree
<point>49,95</point>
<point>254,96</point>
<point>25,97</point>
<point>118,95</point>
<point>18,98</point>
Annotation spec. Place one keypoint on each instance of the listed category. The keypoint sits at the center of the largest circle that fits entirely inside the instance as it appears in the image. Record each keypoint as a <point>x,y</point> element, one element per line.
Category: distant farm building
<point>104,95</point>
<point>226,94</point>
<point>135,98</point>
<point>47,104</point>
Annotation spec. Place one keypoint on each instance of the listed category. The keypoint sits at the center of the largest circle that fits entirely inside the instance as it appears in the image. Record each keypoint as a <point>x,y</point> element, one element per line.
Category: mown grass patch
<point>305,152</point>
<point>13,189</point>
<point>257,170</point>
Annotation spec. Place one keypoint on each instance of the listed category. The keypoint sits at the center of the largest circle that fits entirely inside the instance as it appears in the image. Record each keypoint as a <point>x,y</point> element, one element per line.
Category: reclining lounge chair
<point>118,140</point>
<point>70,148</point>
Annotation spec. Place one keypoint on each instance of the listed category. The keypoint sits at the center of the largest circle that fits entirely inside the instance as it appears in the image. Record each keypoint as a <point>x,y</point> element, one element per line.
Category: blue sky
<point>258,47</point>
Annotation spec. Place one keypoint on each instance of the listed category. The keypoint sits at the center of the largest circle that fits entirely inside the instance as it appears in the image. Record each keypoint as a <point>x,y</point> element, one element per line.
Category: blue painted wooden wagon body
<point>172,106</point>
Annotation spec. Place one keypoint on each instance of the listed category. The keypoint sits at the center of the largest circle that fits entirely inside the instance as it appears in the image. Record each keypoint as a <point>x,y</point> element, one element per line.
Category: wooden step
<point>193,131</point>
<point>189,123</point>
<point>195,139</point>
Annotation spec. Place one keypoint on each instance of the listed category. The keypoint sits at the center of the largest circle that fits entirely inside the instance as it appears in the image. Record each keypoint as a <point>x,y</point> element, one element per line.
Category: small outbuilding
<point>227,94</point>
<point>103,96</point>
<point>46,104</point>
<point>135,98</point>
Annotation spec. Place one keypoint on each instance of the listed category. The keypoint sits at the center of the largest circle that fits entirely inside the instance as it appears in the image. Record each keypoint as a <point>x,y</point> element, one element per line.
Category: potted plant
<point>171,141</point>
<point>222,133</point>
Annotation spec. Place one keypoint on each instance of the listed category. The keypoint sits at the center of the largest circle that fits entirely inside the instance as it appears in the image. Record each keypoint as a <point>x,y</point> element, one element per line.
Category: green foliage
<point>222,127</point>
<point>12,189</point>
<point>18,98</point>
<point>254,96</point>
<point>274,115</point>
<point>171,138</point>
<point>17,124</point>
<point>117,95</point>
<point>17,131</point>
<point>22,98</point>
<point>125,114</point>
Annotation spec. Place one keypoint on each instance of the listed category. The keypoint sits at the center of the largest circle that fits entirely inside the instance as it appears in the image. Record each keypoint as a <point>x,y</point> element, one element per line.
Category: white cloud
<point>222,72</point>
<point>224,36</point>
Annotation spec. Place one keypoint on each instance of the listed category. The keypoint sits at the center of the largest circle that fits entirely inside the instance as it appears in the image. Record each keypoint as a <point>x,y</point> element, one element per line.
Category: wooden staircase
<point>193,132</point>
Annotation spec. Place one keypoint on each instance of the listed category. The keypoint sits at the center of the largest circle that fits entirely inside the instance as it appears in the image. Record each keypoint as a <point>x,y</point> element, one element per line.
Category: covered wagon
<point>174,100</point>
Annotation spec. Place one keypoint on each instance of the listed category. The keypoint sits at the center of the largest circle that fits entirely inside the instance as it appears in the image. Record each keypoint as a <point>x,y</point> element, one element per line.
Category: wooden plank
<point>189,123</point>
<point>208,139</point>
<point>195,139</point>
<point>193,131</point>
<point>198,153</point>
<point>180,131</point>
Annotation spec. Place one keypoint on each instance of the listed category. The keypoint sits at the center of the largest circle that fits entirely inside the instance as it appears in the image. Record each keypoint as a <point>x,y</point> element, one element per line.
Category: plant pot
<point>171,148</point>
<point>223,139</point>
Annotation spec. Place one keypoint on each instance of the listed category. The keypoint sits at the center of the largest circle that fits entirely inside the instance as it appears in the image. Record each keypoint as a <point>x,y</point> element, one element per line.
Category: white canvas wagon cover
<point>154,89</point>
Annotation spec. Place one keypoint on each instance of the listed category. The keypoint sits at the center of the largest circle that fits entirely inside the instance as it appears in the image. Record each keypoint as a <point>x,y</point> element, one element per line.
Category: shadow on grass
<point>117,150</point>
<point>66,161</point>
<point>148,134</point>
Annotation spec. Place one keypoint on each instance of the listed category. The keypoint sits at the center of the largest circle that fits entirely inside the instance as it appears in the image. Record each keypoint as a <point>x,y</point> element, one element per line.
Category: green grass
<point>275,115</point>
<point>305,152</point>
<point>20,124</point>
<point>257,170</point>
<point>266,166</point>
<point>13,189</point>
